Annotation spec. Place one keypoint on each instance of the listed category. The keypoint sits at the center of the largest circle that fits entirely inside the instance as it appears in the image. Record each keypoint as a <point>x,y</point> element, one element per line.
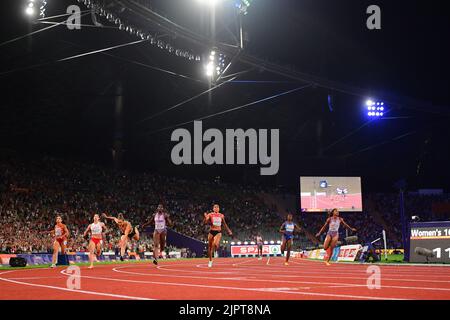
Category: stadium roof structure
<point>306,67</point>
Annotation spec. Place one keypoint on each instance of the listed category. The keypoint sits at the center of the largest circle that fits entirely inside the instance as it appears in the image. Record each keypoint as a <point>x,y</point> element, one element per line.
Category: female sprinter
<point>95,244</point>
<point>287,229</point>
<point>333,222</point>
<point>60,234</point>
<point>259,243</point>
<point>215,220</point>
<point>159,219</point>
<point>128,232</point>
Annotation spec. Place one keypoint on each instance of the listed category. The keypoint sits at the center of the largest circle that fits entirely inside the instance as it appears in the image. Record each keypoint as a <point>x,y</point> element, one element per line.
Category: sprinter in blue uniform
<point>287,229</point>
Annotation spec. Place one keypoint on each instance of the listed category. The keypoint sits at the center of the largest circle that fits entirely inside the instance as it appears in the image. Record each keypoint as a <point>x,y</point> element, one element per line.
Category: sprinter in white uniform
<point>160,220</point>
<point>96,230</point>
<point>334,221</point>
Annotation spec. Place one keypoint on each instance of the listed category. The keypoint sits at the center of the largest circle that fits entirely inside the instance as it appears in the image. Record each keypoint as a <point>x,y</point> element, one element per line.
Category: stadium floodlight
<point>272,242</point>
<point>278,242</point>
<point>215,65</point>
<point>375,108</point>
<point>233,243</point>
<point>253,242</point>
<point>239,243</point>
<point>245,242</point>
<point>30,8</point>
<point>265,242</point>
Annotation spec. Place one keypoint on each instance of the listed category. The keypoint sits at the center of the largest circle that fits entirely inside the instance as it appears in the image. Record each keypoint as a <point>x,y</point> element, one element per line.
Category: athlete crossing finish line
<point>333,222</point>
<point>128,232</point>
<point>160,234</point>
<point>215,219</point>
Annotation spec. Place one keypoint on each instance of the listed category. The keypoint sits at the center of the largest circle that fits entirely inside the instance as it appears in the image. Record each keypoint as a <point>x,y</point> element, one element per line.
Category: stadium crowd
<point>33,192</point>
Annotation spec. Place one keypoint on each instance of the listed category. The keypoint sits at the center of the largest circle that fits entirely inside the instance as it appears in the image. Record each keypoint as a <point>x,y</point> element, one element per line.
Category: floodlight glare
<point>373,111</point>
<point>209,2</point>
<point>29,11</point>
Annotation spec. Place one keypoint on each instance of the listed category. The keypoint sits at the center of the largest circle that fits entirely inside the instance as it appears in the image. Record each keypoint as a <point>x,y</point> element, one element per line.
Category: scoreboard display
<point>433,236</point>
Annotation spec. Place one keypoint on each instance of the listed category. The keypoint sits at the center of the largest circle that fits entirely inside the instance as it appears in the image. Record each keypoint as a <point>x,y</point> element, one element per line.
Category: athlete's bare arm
<point>65,233</point>
<point>169,221</point>
<point>347,226</point>
<point>206,218</point>
<point>88,229</point>
<point>323,228</point>
<point>104,215</point>
<point>150,221</point>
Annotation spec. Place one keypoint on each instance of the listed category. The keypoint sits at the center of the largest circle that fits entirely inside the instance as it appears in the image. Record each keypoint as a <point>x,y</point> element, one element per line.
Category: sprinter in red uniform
<point>59,234</point>
<point>215,220</point>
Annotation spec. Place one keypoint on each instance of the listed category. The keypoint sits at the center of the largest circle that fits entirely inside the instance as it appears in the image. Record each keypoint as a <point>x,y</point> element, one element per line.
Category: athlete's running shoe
<point>155,262</point>
<point>286,263</point>
<point>327,263</point>
<point>53,265</point>
<point>209,264</point>
<point>121,258</point>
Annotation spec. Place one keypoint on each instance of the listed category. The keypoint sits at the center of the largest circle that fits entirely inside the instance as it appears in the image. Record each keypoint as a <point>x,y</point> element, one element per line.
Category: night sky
<point>67,108</point>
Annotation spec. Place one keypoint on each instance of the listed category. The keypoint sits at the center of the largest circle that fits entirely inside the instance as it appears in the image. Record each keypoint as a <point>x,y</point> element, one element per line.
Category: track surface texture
<point>229,279</point>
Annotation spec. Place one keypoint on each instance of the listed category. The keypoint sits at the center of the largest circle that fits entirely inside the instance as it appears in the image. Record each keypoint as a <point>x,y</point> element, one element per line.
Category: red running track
<point>229,279</point>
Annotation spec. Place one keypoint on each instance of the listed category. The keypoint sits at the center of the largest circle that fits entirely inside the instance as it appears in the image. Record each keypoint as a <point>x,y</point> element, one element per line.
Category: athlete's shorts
<point>288,237</point>
<point>96,241</point>
<point>214,232</point>
<point>332,233</point>
<point>159,231</point>
<point>260,246</point>
<point>61,241</point>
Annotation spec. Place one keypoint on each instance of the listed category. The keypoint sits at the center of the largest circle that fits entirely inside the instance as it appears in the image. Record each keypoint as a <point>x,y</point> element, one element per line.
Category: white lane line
<point>35,278</point>
<point>73,291</point>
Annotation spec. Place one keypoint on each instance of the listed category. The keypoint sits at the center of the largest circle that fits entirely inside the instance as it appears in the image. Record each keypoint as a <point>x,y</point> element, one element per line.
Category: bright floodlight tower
<point>215,64</point>
<point>34,8</point>
<point>375,109</point>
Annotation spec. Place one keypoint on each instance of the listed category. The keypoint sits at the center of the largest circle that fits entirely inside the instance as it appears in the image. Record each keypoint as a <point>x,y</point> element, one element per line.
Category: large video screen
<point>319,194</point>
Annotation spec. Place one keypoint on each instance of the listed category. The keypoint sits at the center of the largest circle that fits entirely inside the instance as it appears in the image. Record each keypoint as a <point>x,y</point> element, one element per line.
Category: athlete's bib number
<point>289,228</point>
<point>217,221</point>
<point>58,232</point>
